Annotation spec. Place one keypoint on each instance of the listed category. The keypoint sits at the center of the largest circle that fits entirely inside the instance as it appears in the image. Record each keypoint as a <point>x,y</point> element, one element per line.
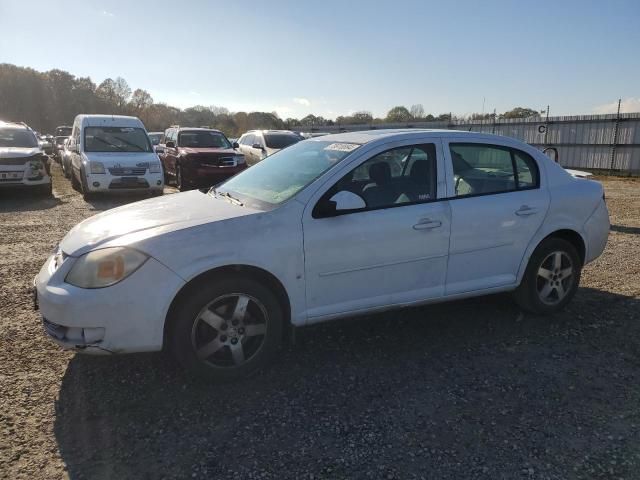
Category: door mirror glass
<point>171,144</point>
<point>347,201</point>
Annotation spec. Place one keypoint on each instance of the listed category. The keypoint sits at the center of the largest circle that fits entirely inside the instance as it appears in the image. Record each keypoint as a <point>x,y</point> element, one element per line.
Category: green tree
<point>520,112</point>
<point>398,114</point>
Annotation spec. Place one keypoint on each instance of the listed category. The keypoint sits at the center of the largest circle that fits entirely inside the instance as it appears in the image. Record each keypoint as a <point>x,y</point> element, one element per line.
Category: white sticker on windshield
<point>342,147</point>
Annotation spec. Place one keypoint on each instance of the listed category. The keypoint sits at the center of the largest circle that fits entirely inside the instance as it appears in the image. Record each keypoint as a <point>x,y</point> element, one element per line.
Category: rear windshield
<point>116,139</point>
<point>155,138</point>
<point>280,140</point>
<point>202,139</point>
<point>17,137</point>
<point>63,131</point>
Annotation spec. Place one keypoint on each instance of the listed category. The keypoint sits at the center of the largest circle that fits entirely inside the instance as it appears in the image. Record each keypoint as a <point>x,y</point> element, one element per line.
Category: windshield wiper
<point>131,144</point>
<point>230,197</point>
<point>108,143</point>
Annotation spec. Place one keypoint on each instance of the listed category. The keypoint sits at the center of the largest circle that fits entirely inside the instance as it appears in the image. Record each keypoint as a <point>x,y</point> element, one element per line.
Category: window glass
<point>280,140</point>
<point>116,139</point>
<point>281,175</point>
<point>527,170</point>
<point>155,138</point>
<point>249,139</point>
<point>397,176</point>
<point>202,139</point>
<point>480,169</point>
<point>17,137</point>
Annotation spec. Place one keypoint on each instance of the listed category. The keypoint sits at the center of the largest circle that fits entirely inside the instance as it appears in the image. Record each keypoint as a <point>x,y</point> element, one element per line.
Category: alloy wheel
<point>229,331</point>
<point>555,278</point>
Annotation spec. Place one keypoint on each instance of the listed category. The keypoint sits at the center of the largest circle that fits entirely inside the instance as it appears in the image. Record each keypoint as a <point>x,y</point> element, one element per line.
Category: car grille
<point>129,183</point>
<point>54,330</point>
<point>120,172</point>
<point>218,161</point>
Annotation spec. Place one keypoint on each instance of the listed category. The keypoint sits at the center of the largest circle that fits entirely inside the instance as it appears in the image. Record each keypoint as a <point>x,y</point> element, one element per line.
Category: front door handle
<point>427,224</point>
<point>525,211</point>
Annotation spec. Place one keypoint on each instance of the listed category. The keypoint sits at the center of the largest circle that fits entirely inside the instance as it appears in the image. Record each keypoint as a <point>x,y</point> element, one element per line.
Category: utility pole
<point>615,138</point>
<point>546,127</point>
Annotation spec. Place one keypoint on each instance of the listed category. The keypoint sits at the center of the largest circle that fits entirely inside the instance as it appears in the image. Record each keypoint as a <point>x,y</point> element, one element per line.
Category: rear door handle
<point>427,224</point>
<point>525,211</point>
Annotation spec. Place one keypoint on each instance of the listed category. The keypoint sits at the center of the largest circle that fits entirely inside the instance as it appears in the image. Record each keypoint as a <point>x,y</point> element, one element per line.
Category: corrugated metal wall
<point>585,141</point>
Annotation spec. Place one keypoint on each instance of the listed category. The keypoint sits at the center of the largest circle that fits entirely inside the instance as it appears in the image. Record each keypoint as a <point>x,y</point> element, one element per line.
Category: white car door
<point>393,251</point>
<point>498,201</point>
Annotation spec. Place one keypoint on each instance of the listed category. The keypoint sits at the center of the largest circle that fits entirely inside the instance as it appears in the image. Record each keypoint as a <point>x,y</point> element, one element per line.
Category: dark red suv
<point>199,157</point>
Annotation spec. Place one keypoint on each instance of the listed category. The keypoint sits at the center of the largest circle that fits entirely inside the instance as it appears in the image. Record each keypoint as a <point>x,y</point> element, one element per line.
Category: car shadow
<point>26,200</point>
<point>435,370</point>
<point>625,229</point>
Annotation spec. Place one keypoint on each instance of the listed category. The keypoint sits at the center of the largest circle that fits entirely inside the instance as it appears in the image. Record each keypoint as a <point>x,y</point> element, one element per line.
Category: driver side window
<point>395,177</point>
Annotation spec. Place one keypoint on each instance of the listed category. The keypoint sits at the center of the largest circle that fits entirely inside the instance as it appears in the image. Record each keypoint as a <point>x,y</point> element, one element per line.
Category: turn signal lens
<point>105,267</point>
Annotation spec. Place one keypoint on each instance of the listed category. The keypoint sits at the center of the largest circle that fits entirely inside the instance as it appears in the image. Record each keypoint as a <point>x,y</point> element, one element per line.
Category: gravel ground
<point>469,389</point>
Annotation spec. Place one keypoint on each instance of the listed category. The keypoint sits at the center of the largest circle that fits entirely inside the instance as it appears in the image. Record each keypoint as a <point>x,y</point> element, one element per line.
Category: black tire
<point>74,180</point>
<point>529,295</point>
<point>179,181</point>
<point>187,331</point>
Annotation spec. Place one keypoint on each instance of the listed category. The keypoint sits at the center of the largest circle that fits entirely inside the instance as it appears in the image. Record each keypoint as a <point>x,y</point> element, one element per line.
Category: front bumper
<point>124,318</point>
<point>25,182</point>
<point>208,176</point>
<point>105,182</point>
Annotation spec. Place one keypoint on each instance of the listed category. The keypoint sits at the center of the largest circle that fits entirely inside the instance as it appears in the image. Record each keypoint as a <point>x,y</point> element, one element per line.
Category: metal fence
<point>601,142</point>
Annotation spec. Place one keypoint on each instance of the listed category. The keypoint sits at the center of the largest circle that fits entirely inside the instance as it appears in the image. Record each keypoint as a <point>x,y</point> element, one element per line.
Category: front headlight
<point>105,267</point>
<point>97,167</point>
<point>154,168</point>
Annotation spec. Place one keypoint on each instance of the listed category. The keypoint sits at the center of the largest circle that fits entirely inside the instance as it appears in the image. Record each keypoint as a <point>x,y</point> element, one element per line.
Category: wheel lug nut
<point>234,340</point>
<point>223,338</point>
<point>241,331</point>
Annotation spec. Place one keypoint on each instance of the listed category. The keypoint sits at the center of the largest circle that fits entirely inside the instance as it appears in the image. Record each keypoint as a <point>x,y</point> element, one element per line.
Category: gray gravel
<point>469,389</point>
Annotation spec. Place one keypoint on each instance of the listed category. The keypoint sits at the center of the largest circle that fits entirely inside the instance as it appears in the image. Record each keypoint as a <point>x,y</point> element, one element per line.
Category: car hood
<point>195,151</point>
<point>15,152</point>
<point>111,159</point>
<point>142,220</point>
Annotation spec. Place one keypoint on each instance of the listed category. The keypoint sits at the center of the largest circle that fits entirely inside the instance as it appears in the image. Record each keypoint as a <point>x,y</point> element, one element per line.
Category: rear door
<point>498,202</point>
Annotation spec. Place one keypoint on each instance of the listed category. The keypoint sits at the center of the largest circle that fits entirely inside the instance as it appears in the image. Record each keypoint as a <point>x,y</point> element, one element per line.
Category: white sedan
<point>327,228</point>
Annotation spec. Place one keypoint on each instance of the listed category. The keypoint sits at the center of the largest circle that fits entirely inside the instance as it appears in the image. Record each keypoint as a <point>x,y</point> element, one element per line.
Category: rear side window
<point>280,140</point>
<point>481,169</point>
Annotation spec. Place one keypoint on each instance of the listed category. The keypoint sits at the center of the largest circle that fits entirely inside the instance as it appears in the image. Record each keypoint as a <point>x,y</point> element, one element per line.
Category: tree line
<point>45,100</point>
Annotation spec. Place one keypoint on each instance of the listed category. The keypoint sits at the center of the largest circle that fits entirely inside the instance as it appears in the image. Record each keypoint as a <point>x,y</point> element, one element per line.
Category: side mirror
<point>341,202</point>
<point>170,144</point>
<point>258,146</point>
<point>235,145</point>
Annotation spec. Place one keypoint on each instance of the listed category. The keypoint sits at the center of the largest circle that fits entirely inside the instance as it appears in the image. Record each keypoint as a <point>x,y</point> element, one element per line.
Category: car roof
<point>106,120</point>
<point>16,125</point>
<point>368,136</point>
<point>198,128</point>
<point>271,131</point>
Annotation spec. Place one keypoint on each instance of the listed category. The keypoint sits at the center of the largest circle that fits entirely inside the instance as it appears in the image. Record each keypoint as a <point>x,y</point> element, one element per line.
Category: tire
<point>179,181</point>
<point>211,348</point>
<point>551,279</point>
<point>86,194</point>
<point>74,180</point>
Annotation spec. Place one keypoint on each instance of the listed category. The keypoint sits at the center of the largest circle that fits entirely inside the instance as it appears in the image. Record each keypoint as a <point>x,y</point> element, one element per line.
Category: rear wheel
<point>226,329</point>
<point>551,279</point>
<point>179,180</point>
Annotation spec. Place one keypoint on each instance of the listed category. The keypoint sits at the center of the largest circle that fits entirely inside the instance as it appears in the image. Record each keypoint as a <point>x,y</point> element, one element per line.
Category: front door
<point>393,251</point>
<point>497,205</point>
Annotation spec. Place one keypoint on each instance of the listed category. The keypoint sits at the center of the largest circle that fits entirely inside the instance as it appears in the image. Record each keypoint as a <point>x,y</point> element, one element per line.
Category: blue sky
<point>335,57</point>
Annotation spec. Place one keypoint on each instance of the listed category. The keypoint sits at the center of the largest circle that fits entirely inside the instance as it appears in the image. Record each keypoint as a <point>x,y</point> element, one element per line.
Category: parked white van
<point>113,153</point>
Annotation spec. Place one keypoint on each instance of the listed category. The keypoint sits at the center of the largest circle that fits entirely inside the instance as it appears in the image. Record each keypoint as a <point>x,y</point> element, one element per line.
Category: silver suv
<point>22,162</point>
<point>259,144</point>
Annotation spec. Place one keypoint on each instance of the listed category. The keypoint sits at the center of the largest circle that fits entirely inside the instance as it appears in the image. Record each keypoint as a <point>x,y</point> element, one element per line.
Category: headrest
<point>380,172</point>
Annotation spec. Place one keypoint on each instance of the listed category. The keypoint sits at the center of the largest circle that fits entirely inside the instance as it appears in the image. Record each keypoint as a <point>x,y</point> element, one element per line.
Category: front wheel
<point>227,328</point>
<point>551,279</point>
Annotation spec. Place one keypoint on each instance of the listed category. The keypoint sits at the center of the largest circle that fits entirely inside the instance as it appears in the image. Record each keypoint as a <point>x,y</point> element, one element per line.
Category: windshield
<point>17,137</point>
<point>155,138</point>
<point>283,174</point>
<point>60,140</point>
<point>202,139</point>
<point>115,139</point>
<point>280,140</point>
<point>63,131</point>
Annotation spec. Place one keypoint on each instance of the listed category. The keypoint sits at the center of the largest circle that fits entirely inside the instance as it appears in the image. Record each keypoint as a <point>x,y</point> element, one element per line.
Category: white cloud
<point>302,101</point>
<point>104,13</point>
<point>628,105</point>
<point>194,93</point>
